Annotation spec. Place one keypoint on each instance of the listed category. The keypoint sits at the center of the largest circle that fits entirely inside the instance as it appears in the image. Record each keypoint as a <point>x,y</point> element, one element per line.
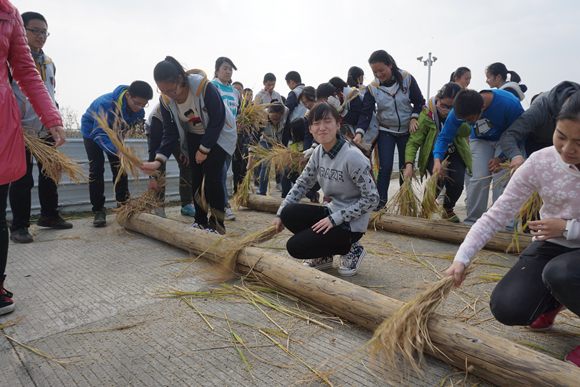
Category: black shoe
<point>100,219</point>
<point>55,222</point>
<point>6,303</point>
<point>21,236</point>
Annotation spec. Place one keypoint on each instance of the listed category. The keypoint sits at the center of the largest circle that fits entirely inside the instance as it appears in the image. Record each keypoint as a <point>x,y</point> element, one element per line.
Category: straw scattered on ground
<point>55,164</point>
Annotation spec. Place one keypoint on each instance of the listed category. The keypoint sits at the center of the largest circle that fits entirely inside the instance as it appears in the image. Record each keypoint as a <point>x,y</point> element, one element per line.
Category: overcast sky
<point>98,45</point>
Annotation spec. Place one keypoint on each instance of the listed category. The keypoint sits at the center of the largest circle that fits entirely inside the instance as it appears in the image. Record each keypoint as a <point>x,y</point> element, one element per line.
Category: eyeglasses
<point>446,107</point>
<point>169,92</point>
<point>137,103</point>
<point>39,32</point>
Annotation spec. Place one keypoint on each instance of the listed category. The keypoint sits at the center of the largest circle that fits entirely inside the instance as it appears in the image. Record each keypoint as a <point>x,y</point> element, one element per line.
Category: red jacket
<point>14,50</point>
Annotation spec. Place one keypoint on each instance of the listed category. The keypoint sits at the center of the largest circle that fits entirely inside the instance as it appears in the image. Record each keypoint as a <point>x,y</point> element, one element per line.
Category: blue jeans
<point>264,172</point>
<point>386,146</point>
<point>225,177</point>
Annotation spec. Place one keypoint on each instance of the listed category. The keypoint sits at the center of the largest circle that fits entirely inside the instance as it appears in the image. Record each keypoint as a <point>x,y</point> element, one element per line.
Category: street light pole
<point>428,62</point>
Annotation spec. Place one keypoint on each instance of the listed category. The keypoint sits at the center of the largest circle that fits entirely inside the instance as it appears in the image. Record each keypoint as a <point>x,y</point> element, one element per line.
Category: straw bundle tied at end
<point>54,163</point>
<point>147,202</point>
<point>429,205</point>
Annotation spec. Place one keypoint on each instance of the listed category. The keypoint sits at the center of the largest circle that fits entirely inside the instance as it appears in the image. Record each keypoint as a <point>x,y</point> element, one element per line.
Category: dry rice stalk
<point>147,202</point>
<point>405,202</point>
<point>504,178</point>
<point>429,204</point>
<point>243,195</point>
<point>252,115</point>
<point>280,157</point>
<point>129,162</point>
<point>120,328</point>
<point>529,210</point>
<point>228,265</point>
<point>54,163</point>
<point>406,332</point>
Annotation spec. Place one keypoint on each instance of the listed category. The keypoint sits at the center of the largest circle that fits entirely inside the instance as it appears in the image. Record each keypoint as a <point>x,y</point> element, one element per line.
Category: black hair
<point>449,90</point>
<point>276,107</point>
<point>338,83</point>
<point>571,109</point>
<point>238,83</point>
<point>354,73</point>
<point>384,57</point>
<point>140,89</point>
<point>308,93</point>
<point>459,73</point>
<point>297,128</point>
<point>248,89</point>
<point>169,70</point>
<point>467,103</point>
<point>220,61</point>
<point>322,110</point>
<point>269,77</point>
<point>325,90</point>
<point>293,76</point>
<point>28,16</point>
<point>498,68</point>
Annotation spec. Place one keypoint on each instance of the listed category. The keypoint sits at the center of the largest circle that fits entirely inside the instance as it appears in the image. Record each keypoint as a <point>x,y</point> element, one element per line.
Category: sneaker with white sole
<point>188,210</point>
<point>6,302</point>
<point>160,211</point>
<point>322,263</point>
<point>351,261</point>
<point>197,225</point>
<point>545,321</point>
<point>228,213</point>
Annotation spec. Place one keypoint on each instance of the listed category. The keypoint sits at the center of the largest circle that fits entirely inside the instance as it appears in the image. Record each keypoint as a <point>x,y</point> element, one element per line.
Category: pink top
<point>557,183</point>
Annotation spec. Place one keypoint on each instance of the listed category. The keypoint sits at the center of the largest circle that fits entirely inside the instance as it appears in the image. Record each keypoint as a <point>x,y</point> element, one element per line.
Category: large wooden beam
<point>439,230</point>
<point>497,360</point>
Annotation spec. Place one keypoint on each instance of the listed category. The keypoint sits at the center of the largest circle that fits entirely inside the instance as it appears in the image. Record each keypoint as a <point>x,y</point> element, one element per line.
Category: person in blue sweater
<point>195,117</point>
<point>490,113</point>
<point>124,105</point>
<point>398,101</point>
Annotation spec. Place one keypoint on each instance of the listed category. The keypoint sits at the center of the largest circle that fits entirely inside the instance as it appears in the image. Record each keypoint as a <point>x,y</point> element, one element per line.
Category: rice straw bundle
<point>505,178</point>
<point>243,194</point>
<point>129,162</point>
<point>147,202</point>
<point>279,157</point>
<point>429,204</point>
<point>406,332</point>
<point>54,163</point>
<point>252,115</point>
<point>405,202</point>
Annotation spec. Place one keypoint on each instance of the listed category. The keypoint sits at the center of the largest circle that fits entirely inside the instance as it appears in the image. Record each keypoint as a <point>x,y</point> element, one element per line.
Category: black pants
<point>20,194</point>
<point>239,163</point>
<point>546,276</point>
<point>3,229</point>
<point>453,183</point>
<point>211,169</point>
<point>289,176</point>
<point>307,244</point>
<point>96,158</point>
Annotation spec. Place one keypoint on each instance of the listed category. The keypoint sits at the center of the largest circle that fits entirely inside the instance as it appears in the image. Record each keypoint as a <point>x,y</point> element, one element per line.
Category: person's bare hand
<point>456,270</point>
<point>437,169</point>
<point>153,185</point>
<point>200,157</point>
<point>150,168</point>
<point>184,160</point>
<point>323,226</point>
<point>494,165</point>
<point>547,228</point>
<point>58,134</point>
<point>413,126</point>
<point>517,161</point>
<point>278,223</point>
<point>408,171</point>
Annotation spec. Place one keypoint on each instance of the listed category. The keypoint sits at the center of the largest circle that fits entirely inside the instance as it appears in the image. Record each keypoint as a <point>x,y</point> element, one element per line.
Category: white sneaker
<point>228,214</point>
<point>351,261</point>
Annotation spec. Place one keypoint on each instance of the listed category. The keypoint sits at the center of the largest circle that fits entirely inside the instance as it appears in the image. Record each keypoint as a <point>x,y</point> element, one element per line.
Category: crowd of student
<point>335,125</point>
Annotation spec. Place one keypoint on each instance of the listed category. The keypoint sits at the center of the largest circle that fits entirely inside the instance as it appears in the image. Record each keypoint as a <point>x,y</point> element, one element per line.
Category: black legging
<point>546,276</point>
<point>3,229</point>
<point>211,170</point>
<point>306,243</point>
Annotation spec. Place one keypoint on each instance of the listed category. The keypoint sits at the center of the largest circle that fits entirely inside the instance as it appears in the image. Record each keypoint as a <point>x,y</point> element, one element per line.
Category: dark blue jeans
<point>386,146</point>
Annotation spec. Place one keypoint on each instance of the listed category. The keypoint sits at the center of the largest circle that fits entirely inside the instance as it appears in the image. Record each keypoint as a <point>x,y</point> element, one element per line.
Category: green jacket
<point>424,137</point>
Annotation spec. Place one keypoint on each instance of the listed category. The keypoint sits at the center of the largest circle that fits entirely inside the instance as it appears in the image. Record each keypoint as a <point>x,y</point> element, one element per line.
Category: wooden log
<point>495,359</point>
<point>439,230</point>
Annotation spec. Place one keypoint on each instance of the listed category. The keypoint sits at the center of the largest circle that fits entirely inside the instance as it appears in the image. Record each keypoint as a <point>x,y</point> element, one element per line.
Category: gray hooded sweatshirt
<point>539,121</point>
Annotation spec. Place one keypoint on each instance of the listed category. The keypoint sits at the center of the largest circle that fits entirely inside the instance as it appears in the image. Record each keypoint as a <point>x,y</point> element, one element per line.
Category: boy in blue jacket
<point>126,102</point>
<point>490,113</point>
